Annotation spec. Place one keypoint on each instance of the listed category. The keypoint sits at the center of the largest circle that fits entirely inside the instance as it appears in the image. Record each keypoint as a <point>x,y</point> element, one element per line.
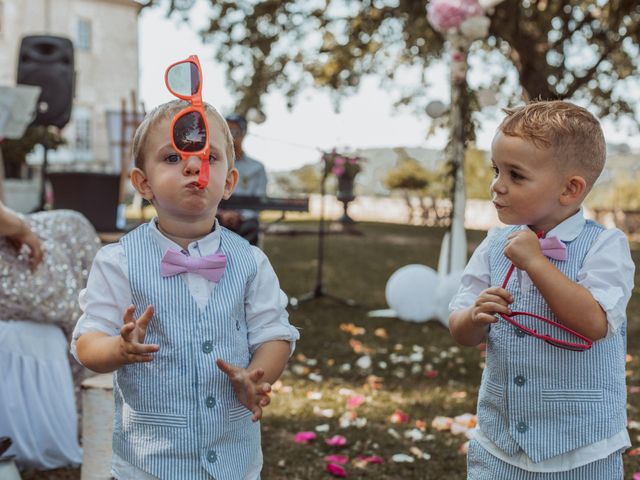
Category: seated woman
<point>44,260</point>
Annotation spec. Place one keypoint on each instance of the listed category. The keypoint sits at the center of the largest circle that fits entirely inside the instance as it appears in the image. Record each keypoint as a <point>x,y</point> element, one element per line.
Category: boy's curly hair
<point>572,133</point>
<point>167,111</point>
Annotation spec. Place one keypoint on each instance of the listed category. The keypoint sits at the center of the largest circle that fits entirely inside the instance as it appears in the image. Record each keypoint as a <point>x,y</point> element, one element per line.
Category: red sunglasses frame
<point>555,342</point>
<point>196,106</point>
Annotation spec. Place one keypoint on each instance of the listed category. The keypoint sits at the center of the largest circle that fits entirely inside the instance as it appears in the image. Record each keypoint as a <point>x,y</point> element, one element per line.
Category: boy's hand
<point>250,390</point>
<point>491,301</point>
<point>523,248</point>
<point>132,346</point>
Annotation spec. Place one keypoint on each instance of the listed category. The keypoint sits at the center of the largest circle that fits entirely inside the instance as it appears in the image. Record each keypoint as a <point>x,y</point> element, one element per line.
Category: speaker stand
<point>319,291</point>
<point>43,172</point>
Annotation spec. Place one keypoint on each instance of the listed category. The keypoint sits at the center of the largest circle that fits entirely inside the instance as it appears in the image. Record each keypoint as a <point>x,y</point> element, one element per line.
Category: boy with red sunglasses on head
<point>188,316</point>
<point>546,411</point>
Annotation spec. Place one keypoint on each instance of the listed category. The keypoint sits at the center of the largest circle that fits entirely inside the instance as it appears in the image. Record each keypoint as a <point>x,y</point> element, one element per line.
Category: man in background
<point>252,181</point>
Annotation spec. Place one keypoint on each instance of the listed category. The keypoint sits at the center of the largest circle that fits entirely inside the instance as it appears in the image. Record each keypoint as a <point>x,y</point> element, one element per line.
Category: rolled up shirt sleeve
<point>265,308</point>
<point>476,277</point>
<point>106,297</point>
<point>608,273</point>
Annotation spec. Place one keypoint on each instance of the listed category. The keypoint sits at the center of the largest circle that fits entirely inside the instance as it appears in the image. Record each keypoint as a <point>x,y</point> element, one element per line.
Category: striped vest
<point>538,398</point>
<point>177,416</point>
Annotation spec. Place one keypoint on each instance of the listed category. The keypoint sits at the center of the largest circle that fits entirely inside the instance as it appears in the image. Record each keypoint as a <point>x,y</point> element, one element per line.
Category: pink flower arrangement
<point>445,15</point>
<point>341,165</point>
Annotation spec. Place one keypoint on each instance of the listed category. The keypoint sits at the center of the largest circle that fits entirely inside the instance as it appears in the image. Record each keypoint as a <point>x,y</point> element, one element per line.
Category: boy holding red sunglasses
<point>188,315</point>
<point>556,408</point>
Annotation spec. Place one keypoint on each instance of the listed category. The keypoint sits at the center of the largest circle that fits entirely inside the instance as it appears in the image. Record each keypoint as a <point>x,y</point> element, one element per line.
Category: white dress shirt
<point>108,294</point>
<point>608,273</point>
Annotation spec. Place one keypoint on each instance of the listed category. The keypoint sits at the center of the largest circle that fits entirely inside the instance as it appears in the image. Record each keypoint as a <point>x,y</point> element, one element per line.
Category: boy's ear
<point>230,183</point>
<point>575,189</point>
<point>141,184</point>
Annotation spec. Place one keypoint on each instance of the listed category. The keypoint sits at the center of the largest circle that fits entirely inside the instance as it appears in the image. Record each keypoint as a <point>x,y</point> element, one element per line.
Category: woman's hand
<point>25,236</point>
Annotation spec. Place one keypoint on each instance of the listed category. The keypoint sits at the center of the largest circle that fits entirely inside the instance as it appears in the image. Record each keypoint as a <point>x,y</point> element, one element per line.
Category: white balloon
<point>411,292</point>
<point>448,285</point>
<point>436,109</point>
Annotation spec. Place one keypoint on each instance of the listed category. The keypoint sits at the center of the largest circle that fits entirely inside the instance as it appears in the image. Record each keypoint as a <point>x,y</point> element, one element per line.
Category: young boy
<point>544,411</point>
<point>162,327</point>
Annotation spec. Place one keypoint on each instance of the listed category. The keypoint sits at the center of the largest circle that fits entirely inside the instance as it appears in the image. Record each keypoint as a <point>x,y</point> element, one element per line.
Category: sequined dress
<point>37,403</point>
<point>50,294</point>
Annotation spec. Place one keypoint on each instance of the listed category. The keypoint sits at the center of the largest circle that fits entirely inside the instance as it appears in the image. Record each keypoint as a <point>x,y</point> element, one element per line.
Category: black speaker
<point>47,62</point>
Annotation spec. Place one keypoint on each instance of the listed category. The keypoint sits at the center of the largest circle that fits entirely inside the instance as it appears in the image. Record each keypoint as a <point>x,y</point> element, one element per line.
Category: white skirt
<point>37,402</point>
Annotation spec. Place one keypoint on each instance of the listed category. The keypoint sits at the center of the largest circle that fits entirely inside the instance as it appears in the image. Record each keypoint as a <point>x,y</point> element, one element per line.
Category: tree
<point>477,174</point>
<point>304,180</point>
<point>415,181</point>
<point>584,50</point>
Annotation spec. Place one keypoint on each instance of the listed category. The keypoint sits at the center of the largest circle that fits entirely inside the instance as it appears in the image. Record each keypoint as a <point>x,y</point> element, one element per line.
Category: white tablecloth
<point>37,403</point>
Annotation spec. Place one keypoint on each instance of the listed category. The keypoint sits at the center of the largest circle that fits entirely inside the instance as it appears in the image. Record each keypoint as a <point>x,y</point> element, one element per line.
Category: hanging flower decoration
<point>462,21</point>
<point>447,15</point>
<point>341,165</point>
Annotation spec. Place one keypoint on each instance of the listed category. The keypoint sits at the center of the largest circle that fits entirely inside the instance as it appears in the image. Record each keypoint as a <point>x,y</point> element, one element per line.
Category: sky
<point>289,139</point>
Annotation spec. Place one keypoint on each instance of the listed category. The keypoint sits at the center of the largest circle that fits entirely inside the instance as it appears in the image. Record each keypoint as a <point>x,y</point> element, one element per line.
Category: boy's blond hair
<point>572,134</point>
<point>167,111</point>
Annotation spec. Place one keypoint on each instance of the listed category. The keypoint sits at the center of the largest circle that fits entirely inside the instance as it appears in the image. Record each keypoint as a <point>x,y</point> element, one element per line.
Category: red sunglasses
<point>189,128</point>
<point>556,342</point>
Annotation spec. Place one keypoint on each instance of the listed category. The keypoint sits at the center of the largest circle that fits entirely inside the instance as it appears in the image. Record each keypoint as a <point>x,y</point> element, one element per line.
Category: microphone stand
<point>319,291</point>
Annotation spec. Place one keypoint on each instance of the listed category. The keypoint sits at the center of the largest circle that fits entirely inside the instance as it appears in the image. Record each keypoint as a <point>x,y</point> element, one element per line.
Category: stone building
<point>105,38</point>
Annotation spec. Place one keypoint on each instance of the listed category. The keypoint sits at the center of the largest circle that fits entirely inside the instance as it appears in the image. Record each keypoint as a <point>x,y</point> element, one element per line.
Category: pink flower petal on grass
<point>304,437</point>
<point>399,416</point>
<point>337,441</point>
<point>340,459</point>
<point>370,459</point>
<point>336,470</point>
<point>355,401</point>
<point>636,476</point>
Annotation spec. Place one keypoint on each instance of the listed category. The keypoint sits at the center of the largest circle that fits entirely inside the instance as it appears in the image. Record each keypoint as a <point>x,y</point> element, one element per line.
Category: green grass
<point>358,267</point>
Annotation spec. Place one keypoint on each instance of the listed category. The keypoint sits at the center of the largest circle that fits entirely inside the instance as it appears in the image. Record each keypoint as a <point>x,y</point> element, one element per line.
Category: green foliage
<point>288,45</point>
<point>622,194</point>
<point>14,152</point>
<point>477,174</point>
<point>408,175</point>
<point>304,180</point>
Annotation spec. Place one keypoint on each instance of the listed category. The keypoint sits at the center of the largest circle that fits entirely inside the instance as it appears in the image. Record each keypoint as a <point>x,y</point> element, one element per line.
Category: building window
<point>83,41</point>
<point>83,133</point>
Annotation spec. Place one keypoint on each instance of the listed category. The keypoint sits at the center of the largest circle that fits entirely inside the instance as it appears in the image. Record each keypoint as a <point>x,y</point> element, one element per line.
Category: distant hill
<point>378,161</point>
<point>370,181</point>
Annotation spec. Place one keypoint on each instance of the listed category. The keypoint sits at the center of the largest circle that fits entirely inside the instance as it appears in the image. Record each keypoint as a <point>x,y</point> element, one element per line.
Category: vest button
<point>522,427</point>
<point>519,380</point>
<point>520,333</point>
<point>211,402</point>
<point>212,456</point>
<point>207,347</point>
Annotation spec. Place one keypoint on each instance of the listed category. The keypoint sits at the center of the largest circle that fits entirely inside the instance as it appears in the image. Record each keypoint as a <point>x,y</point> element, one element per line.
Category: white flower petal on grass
<point>402,458</point>
<point>364,362</point>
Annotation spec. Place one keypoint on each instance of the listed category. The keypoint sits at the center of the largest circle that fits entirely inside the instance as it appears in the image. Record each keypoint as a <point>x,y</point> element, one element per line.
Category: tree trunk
<point>407,197</point>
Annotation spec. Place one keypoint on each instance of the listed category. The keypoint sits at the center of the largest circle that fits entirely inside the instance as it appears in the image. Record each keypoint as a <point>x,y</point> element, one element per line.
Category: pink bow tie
<point>210,267</point>
<point>552,247</point>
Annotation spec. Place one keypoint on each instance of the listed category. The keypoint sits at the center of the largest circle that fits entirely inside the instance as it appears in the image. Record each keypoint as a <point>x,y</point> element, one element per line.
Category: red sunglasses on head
<point>189,128</point>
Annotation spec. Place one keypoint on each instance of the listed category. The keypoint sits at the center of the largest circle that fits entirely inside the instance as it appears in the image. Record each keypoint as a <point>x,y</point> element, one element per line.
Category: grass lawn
<point>417,373</point>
